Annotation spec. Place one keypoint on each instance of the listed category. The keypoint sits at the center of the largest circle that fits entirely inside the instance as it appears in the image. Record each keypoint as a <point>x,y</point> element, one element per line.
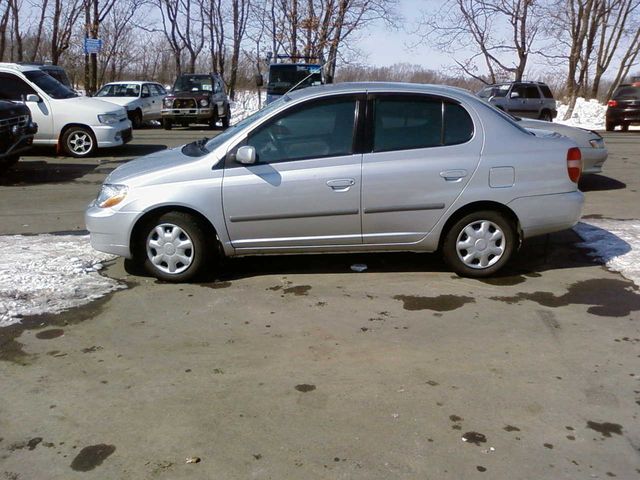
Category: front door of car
<point>146,99</point>
<point>424,151</point>
<point>304,189</point>
<point>16,89</point>
<point>517,101</point>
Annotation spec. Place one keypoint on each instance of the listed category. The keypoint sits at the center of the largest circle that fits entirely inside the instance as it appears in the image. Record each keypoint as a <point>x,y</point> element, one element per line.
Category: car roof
<point>18,68</point>
<point>381,87</point>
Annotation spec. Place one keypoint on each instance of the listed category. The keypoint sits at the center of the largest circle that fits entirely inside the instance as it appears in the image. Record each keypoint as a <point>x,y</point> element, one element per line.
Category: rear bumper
<point>541,214</point>
<point>627,115</point>
<point>593,159</point>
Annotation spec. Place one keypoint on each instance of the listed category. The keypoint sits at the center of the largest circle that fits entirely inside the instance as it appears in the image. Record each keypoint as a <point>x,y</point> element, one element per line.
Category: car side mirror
<point>515,95</point>
<point>246,155</point>
<point>259,80</point>
<point>33,98</point>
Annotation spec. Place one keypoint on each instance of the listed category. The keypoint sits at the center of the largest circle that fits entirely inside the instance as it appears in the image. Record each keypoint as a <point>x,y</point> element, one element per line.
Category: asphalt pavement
<point>298,367</point>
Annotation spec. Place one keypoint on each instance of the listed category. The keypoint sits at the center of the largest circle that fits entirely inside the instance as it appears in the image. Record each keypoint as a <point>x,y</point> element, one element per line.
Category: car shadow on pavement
<point>34,173</point>
<point>131,151</point>
<point>595,183</point>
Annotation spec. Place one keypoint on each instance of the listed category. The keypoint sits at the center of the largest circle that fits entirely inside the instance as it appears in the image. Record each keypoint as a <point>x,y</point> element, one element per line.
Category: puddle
<point>606,297</point>
<point>216,285</point>
<point>474,437</point>
<point>298,291</point>
<point>305,387</point>
<point>511,428</point>
<point>605,428</point>
<point>92,456</point>
<point>49,334</point>
<point>442,303</point>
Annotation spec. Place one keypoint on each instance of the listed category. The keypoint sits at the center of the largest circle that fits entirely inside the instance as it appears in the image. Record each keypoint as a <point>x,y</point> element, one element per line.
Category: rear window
<point>546,91</point>
<point>632,93</point>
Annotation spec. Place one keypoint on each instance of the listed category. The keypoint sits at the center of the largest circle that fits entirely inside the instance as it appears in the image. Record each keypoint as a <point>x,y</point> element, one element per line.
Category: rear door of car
<point>423,152</point>
<point>304,190</point>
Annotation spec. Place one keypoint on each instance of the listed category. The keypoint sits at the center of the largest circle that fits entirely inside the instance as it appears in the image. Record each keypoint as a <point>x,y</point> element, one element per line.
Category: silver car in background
<point>345,167</point>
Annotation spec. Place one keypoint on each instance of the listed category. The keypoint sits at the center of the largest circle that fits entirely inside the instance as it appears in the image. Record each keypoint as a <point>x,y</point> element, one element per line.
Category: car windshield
<point>193,83</point>
<point>494,91</point>
<point>59,75</point>
<point>629,93</point>
<point>119,90</point>
<point>283,77</point>
<point>215,142</point>
<point>50,85</point>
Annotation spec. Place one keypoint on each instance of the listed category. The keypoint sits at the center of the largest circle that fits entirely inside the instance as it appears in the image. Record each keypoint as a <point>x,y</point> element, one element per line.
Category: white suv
<point>76,125</point>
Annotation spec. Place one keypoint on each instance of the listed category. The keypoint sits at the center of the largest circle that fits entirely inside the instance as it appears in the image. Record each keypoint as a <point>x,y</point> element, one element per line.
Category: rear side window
<point>632,93</point>
<point>546,91</point>
<point>407,123</point>
<point>532,92</point>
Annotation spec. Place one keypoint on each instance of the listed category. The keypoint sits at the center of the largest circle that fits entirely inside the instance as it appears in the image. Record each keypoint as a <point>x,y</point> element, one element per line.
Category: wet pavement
<point>299,367</point>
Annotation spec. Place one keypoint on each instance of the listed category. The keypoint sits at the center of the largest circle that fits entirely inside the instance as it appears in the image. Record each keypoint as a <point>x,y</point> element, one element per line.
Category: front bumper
<point>193,114</point>
<point>110,230</point>
<point>541,214</point>
<point>113,135</point>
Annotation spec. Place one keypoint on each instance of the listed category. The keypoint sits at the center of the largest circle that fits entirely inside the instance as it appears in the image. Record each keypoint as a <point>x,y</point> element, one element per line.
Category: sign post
<point>92,45</point>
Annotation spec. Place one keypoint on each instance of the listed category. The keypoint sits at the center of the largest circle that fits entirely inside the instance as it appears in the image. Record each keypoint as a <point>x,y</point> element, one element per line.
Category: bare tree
<point>5,16</point>
<point>184,29</point>
<point>63,22</point>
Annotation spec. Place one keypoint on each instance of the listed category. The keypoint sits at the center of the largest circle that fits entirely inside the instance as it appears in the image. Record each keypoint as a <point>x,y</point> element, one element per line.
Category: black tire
<point>226,120</point>
<point>624,127</point>
<point>609,126</point>
<point>167,124</point>
<point>136,119</point>
<point>78,142</point>
<point>213,122</point>
<point>546,116</point>
<point>7,162</point>
<point>187,254</point>
<point>492,222</point>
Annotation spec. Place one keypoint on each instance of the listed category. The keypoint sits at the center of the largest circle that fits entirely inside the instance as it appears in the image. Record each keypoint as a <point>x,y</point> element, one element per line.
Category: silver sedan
<point>346,167</point>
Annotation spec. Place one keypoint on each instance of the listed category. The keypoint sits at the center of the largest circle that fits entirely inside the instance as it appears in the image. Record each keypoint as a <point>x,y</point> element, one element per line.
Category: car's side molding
<point>405,208</point>
<point>256,218</point>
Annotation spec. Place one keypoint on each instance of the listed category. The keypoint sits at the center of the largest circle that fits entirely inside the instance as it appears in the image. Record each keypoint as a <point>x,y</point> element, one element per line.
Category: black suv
<point>196,98</point>
<point>16,132</point>
<point>624,107</point>
<point>522,99</point>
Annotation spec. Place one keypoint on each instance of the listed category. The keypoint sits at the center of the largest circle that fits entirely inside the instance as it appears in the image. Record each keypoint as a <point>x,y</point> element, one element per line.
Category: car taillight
<point>574,164</point>
<point>612,103</point>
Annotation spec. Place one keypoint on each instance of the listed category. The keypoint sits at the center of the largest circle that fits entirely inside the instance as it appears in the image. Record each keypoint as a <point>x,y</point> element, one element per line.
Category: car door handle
<point>453,175</point>
<point>341,184</point>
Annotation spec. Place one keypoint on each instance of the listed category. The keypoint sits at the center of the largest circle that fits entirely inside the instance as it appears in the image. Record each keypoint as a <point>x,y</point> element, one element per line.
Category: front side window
<point>520,91</point>
<point>50,85</point>
<point>319,129</point>
<point>532,92</point>
<point>145,91</point>
<point>13,87</point>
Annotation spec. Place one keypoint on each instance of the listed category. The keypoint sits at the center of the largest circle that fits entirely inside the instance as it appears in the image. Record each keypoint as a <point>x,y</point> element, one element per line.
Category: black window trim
<point>357,133</point>
<point>370,119</point>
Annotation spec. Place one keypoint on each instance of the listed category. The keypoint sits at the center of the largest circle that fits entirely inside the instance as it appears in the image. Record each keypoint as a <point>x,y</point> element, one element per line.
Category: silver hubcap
<point>80,143</point>
<point>170,248</point>
<point>480,244</point>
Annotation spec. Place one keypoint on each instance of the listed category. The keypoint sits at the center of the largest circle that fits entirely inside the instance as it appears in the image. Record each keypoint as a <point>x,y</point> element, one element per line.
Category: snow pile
<point>49,274</point>
<point>589,114</point>
<point>615,243</point>
<point>245,104</point>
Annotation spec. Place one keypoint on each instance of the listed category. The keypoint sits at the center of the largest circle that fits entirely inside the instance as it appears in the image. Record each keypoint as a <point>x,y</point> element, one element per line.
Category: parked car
<point>592,147</point>
<point>143,100</point>
<point>524,99</point>
<point>16,132</point>
<point>345,167</point>
<point>56,71</point>
<point>624,107</point>
<point>76,125</point>
<point>196,98</point>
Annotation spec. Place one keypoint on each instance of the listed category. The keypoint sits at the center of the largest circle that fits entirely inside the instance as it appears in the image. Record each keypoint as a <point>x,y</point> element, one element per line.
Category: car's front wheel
<point>479,244</point>
<point>174,247</point>
<point>78,142</point>
<point>167,124</point>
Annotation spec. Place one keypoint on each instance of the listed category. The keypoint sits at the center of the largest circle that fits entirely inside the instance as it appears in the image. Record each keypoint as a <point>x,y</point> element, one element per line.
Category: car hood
<point>90,105</point>
<point>154,168</point>
<point>122,101</point>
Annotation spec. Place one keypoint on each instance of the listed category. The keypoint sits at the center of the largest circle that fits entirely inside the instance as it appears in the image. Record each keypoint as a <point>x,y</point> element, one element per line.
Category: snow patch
<point>589,114</point>
<point>245,104</point>
<point>614,242</point>
<point>48,274</point>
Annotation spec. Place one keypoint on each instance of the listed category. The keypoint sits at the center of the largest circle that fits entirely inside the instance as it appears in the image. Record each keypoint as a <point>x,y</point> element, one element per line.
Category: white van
<point>77,126</point>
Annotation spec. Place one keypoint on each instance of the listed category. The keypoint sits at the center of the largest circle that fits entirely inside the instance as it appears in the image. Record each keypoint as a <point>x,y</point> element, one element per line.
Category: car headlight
<point>204,102</point>
<point>111,195</point>
<point>109,118</point>
<point>597,143</point>
<point>168,102</point>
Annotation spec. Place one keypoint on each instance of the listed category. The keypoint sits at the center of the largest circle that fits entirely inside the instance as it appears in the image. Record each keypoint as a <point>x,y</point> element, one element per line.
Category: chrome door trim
<point>257,218</point>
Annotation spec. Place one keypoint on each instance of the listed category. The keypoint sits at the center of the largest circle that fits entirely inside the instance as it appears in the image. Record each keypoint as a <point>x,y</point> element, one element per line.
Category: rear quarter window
<point>546,91</point>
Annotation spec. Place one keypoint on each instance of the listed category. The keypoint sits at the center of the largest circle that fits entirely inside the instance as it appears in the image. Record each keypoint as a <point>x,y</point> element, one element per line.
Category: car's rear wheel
<point>624,127</point>
<point>479,244</point>
<point>78,142</point>
<point>546,116</point>
<point>174,246</point>
<point>610,126</point>
<point>136,119</point>
<point>167,124</point>
<point>227,118</point>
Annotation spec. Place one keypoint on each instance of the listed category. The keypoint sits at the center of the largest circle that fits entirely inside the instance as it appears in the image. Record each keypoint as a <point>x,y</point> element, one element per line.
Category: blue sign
<point>92,45</point>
